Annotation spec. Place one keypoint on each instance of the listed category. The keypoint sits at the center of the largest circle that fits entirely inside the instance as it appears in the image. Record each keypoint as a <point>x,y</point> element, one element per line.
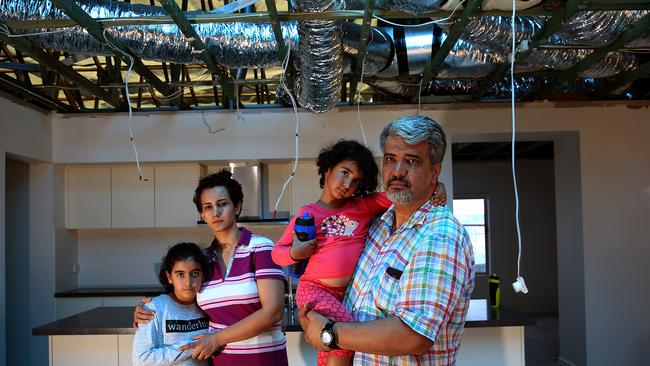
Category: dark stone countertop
<point>111,291</point>
<point>118,320</point>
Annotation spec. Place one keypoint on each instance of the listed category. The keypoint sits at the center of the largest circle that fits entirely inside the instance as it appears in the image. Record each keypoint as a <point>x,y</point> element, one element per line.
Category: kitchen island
<point>103,336</point>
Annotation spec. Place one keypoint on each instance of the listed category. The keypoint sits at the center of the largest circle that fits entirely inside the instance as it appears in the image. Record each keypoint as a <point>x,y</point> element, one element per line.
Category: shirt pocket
<point>385,291</point>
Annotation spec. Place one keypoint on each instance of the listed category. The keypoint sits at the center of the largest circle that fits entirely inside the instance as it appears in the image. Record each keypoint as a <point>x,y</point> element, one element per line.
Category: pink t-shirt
<point>340,236</point>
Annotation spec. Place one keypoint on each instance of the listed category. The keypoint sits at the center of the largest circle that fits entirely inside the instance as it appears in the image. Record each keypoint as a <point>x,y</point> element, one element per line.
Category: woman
<point>244,297</point>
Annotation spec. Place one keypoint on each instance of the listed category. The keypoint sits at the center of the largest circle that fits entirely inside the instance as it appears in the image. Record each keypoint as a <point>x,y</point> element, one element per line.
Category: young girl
<point>343,214</point>
<point>177,317</point>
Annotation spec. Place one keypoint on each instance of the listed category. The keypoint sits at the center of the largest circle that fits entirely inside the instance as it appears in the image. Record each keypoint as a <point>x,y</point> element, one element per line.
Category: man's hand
<point>439,197</point>
<point>205,346</point>
<point>302,249</point>
<point>140,314</point>
<point>312,324</point>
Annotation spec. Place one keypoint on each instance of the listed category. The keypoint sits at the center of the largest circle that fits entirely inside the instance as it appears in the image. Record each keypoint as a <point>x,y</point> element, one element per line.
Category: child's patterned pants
<point>325,300</point>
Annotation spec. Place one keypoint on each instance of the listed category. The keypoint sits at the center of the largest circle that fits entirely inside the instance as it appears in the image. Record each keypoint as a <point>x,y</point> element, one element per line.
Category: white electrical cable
<point>519,285</point>
<point>128,101</point>
<point>358,96</point>
<point>285,64</point>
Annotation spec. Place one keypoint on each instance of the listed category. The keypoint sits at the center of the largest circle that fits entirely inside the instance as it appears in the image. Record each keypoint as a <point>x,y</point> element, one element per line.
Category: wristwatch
<point>327,335</point>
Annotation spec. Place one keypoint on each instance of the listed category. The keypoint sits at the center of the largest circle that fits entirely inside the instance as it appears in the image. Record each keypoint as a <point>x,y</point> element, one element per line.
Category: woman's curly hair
<point>351,150</point>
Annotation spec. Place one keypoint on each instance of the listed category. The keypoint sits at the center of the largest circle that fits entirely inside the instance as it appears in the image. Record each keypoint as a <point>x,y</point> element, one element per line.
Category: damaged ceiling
<point>75,56</point>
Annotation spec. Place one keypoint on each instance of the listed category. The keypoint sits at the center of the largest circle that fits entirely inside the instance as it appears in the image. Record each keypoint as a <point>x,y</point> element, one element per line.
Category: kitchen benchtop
<point>118,320</point>
<point>111,291</point>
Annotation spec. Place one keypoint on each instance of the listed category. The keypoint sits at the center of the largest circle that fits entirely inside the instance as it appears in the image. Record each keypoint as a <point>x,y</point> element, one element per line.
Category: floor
<point>542,342</point>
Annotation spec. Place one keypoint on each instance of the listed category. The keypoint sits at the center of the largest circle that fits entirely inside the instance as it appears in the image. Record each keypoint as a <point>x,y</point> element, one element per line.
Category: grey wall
<point>571,286</point>
<point>26,134</point>
<point>537,212</point>
<point>17,283</point>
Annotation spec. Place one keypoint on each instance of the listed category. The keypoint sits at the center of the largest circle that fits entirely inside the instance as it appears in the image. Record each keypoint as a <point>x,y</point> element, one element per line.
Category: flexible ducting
<point>596,28</point>
<point>495,32</point>
<point>321,58</point>
<point>407,6</point>
<point>236,45</point>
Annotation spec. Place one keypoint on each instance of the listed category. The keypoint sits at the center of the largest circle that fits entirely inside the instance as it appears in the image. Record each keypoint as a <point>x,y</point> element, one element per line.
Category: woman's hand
<point>204,347</point>
<point>439,197</point>
<point>302,249</point>
<point>140,314</point>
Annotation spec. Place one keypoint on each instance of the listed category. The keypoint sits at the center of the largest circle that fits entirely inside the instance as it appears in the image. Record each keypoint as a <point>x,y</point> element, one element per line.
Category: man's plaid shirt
<point>422,273</point>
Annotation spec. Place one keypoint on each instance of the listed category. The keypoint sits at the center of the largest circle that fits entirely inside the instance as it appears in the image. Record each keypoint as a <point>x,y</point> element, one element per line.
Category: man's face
<point>409,176</point>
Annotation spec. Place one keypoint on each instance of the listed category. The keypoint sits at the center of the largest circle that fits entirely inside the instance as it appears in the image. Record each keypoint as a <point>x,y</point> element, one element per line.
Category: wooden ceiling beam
<point>433,65</point>
<point>363,48</point>
<point>639,28</point>
<point>28,93</point>
<point>556,20</point>
<point>76,13</point>
<point>207,55</point>
<point>26,46</point>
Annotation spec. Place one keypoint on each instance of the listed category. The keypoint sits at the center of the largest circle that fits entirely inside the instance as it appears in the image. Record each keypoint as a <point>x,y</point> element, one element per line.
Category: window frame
<point>486,215</point>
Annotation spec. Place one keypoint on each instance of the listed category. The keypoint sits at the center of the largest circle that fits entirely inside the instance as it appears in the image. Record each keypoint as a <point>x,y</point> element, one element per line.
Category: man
<point>411,288</point>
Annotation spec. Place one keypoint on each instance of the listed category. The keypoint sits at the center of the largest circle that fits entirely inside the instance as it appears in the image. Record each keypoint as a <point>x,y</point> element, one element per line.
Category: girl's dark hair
<point>224,179</point>
<point>353,151</point>
<point>181,252</point>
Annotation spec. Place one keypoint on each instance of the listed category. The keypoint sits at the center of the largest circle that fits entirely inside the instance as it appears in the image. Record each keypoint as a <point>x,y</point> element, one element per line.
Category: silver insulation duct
<point>495,32</point>
<point>466,60</point>
<point>558,59</point>
<point>483,45</point>
<point>236,44</point>
<point>380,49</point>
<point>321,58</point>
<point>407,6</point>
<point>596,28</point>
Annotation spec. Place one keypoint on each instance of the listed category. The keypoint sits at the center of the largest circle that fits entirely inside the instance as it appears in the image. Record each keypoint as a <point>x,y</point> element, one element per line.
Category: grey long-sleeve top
<point>174,324</point>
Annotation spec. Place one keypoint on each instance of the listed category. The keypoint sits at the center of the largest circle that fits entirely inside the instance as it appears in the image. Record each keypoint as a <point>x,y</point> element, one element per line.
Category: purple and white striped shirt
<point>227,301</point>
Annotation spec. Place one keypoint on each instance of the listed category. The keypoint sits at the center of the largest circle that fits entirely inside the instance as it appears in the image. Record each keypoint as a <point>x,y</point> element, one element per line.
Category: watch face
<point>326,338</point>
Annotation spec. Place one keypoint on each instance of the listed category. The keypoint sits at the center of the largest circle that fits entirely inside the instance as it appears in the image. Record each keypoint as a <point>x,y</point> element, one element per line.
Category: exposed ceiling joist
<point>76,13</point>
<point>30,93</point>
<point>208,57</point>
<point>556,20</point>
<point>363,48</point>
<point>639,28</point>
<point>26,46</point>
<point>433,65</point>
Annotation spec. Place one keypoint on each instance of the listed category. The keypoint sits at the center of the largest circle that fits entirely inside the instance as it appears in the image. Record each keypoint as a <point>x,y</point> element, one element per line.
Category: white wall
<point>537,202</point>
<point>26,134</point>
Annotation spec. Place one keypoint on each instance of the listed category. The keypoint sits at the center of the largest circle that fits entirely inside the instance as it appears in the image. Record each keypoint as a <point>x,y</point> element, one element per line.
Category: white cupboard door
<point>132,198</point>
<point>174,187</point>
<point>88,197</point>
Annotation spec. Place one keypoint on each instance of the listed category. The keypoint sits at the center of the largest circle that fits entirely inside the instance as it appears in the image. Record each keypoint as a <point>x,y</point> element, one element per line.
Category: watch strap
<point>329,328</point>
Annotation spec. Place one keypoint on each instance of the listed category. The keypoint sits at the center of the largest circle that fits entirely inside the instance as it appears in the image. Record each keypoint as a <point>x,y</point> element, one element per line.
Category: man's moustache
<point>402,180</point>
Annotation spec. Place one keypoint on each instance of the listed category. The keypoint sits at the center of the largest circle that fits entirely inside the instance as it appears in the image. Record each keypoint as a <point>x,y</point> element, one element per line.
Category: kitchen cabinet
<point>174,189</point>
<point>88,197</point>
<point>132,198</point>
<point>115,197</point>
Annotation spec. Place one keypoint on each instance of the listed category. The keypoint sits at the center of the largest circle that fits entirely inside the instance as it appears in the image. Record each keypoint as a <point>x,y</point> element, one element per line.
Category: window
<point>472,213</point>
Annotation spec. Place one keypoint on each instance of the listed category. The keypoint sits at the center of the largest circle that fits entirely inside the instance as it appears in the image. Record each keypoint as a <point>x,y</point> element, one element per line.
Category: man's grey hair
<point>414,130</point>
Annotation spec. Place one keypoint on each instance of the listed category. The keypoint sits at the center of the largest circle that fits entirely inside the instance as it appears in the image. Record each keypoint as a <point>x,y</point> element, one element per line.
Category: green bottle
<point>494,286</point>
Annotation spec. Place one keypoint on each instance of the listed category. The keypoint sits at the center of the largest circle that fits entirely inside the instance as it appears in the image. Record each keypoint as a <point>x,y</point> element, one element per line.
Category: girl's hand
<point>302,249</point>
<point>439,197</point>
<point>205,345</point>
